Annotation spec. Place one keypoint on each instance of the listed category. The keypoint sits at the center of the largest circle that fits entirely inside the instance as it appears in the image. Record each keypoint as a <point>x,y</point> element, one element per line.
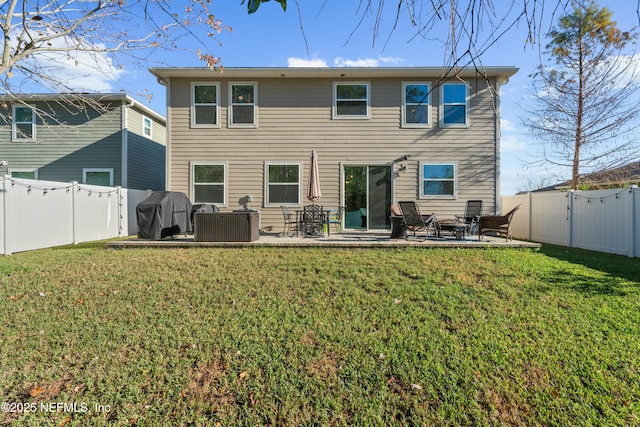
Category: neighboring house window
<point>98,176</point>
<point>453,111</point>
<point>351,100</point>
<point>438,180</point>
<point>208,183</point>
<point>204,104</point>
<point>24,173</point>
<point>242,104</point>
<point>146,126</point>
<point>416,109</point>
<point>24,123</point>
<point>283,183</point>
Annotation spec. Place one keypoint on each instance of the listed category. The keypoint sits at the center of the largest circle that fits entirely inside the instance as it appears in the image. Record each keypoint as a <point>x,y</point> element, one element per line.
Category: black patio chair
<point>472,213</point>
<point>415,222</point>
<point>313,221</point>
<point>290,224</point>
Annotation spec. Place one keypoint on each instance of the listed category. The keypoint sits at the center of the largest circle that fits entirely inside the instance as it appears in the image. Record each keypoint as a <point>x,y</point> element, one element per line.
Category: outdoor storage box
<point>227,227</point>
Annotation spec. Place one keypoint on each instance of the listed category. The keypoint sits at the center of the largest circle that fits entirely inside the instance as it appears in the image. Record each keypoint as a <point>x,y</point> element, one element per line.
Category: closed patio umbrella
<point>313,191</point>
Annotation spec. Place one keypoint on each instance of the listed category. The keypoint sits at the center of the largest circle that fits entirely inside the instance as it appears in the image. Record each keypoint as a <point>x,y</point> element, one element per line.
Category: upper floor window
<point>438,180</point>
<point>351,100</point>
<point>242,104</point>
<point>208,183</point>
<point>416,109</point>
<point>147,127</point>
<point>24,123</point>
<point>283,183</point>
<point>98,176</point>
<point>204,104</point>
<point>453,111</point>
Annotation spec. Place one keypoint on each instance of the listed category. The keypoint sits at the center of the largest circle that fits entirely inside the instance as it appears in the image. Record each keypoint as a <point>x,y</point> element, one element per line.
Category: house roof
<point>502,73</point>
<point>616,177</point>
<point>123,97</point>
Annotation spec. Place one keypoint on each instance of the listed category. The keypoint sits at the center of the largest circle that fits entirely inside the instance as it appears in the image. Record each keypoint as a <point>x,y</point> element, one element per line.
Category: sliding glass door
<point>367,196</point>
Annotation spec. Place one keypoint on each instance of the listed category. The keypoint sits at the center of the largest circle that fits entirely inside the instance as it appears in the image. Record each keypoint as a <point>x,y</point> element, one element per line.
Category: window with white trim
<point>242,104</point>
<point>453,105</point>
<point>351,100</point>
<point>416,111</point>
<point>147,128</point>
<point>282,186</point>
<point>24,173</point>
<point>24,123</point>
<point>437,180</point>
<point>208,183</point>
<point>98,176</point>
<point>204,104</point>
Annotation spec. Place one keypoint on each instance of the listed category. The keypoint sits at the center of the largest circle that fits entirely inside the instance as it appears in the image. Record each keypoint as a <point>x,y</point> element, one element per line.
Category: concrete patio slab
<point>344,240</point>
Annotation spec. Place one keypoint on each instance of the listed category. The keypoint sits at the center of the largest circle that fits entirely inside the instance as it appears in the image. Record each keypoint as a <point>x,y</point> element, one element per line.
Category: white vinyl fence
<point>600,220</point>
<point>41,214</point>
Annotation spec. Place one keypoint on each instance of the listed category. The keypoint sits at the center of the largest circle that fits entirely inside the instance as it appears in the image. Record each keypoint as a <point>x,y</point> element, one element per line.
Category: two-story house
<point>381,135</point>
<point>109,139</point>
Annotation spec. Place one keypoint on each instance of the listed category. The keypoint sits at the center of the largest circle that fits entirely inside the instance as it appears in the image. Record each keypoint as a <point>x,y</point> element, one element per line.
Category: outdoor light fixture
<point>3,163</point>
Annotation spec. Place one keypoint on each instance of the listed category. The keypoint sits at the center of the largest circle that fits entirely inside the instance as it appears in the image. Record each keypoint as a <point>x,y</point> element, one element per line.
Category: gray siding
<point>89,139</point>
<point>146,158</point>
<point>294,117</point>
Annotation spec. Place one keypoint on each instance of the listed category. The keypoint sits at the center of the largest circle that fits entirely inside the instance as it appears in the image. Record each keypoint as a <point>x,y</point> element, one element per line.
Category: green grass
<point>272,336</point>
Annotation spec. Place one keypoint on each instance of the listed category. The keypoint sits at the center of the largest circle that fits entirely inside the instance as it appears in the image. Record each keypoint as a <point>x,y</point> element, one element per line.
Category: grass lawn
<point>273,336</point>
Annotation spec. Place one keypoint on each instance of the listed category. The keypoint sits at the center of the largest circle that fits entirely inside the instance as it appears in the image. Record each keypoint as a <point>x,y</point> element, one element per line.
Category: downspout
<point>125,142</point>
<point>497,201</point>
<point>167,156</point>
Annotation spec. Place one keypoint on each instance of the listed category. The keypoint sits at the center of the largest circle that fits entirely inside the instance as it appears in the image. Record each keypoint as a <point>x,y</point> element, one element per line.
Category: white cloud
<point>360,62</point>
<point>303,62</point>
<point>86,70</point>
<point>506,125</point>
<point>344,62</point>
<point>512,143</point>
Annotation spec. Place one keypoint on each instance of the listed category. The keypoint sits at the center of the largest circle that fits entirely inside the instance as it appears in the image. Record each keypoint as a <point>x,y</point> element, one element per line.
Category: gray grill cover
<point>163,214</point>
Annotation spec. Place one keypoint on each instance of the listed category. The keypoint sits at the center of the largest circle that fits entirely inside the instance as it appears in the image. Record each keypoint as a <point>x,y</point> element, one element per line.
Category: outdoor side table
<point>457,228</point>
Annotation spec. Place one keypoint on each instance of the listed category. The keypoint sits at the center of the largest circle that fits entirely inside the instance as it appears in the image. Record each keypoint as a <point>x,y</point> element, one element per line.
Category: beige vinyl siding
<point>294,117</point>
<point>89,139</point>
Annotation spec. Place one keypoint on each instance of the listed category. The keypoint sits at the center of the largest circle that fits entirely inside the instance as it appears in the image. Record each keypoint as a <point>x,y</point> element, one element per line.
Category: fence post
<point>7,241</point>
<point>74,214</point>
<point>530,214</point>
<point>570,196</point>
<point>635,227</point>
<point>119,193</point>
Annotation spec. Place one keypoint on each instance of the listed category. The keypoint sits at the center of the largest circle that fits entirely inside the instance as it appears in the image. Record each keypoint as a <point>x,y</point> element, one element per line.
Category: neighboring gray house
<point>381,134</point>
<point>113,140</point>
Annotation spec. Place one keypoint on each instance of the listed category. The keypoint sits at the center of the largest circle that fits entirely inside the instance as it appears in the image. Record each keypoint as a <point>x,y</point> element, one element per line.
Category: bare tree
<point>47,41</point>
<point>587,103</point>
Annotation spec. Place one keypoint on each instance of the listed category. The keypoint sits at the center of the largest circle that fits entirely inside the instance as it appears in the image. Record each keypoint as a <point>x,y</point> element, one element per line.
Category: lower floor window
<point>98,176</point>
<point>208,183</point>
<point>437,179</point>
<point>24,173</point>
<point>283,183</point>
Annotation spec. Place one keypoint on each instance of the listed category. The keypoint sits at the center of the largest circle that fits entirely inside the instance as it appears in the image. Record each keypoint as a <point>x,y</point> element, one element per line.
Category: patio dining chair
<point>472,213</point>
<point>313,221</point>
<point>415,222</point>
<point>290,224</point>
<point>499,224</point>
<point>336,219</point>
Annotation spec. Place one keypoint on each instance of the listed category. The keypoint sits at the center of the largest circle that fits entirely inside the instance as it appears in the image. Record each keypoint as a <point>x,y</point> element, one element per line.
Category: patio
<point>345,240</point>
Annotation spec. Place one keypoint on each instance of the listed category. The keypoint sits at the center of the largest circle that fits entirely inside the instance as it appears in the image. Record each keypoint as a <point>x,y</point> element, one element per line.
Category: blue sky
<point>330,37</point>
